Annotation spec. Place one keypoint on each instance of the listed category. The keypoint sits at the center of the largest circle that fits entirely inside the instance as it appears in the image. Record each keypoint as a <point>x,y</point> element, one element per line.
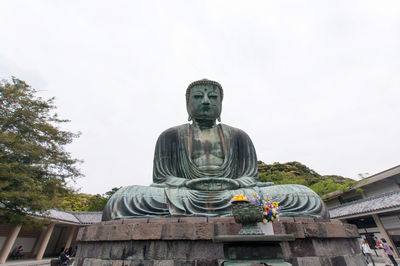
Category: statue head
<point>204,100</point>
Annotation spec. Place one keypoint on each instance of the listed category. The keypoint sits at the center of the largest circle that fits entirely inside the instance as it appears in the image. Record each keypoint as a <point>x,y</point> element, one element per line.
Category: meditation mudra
<point>199,167</point>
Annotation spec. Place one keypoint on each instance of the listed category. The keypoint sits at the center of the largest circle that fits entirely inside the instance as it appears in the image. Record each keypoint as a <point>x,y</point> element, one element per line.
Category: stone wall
<point>189,241</point>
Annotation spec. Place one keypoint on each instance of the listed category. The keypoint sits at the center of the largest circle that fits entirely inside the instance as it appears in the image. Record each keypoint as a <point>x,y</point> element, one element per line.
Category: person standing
<point>378,245</point>
<point>367,251</point>
<point>17,253</point>
<point>388,251</point>
<point>64,258</point>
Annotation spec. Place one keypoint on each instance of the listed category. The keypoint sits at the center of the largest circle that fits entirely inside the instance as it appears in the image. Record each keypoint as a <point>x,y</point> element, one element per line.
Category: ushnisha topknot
<point>203,82</point>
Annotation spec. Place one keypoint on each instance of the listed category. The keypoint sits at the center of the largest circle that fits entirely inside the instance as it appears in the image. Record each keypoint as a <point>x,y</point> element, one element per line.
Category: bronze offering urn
<point>248,215</point>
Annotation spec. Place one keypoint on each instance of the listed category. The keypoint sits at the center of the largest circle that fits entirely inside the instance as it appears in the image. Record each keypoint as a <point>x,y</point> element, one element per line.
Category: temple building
<point>60,232</point>
<point>373,205</point>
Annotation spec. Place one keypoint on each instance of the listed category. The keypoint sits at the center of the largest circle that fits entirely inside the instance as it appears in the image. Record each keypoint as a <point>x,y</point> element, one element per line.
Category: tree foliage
<point>80,202</point>
<point>35,168</point>
<point>297,173</point>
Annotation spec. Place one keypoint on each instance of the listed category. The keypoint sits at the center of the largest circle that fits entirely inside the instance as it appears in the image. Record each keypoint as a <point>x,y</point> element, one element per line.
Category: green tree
<point>81,202</point>
<point>97,202</point>
<point>108,194</point>
<point>35,168</point>
<point>76,202</point>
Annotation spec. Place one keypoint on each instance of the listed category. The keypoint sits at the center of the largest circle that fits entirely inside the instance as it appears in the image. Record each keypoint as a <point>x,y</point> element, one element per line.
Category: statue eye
<point>213,96</point>
<point>197,96</point>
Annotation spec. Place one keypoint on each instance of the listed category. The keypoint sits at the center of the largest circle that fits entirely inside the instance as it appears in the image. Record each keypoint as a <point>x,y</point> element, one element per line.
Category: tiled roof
<point>62,215</point>
<point>376,203</point>
<point>88,217</point>
<point>73,217</point>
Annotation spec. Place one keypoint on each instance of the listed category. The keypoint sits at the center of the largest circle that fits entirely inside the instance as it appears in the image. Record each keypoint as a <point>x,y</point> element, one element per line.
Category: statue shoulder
<point>173,131</point>
<point>233,130</point>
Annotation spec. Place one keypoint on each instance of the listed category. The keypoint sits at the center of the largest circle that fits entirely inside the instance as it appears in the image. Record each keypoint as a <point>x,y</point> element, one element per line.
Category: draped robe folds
<point>173,165</point>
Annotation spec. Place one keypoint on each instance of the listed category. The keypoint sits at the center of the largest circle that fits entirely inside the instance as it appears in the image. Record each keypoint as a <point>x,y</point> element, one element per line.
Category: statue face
<point>205,102</point>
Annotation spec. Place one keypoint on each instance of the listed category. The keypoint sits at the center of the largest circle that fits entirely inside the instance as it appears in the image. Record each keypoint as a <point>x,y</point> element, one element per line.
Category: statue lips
<point>207,111</point>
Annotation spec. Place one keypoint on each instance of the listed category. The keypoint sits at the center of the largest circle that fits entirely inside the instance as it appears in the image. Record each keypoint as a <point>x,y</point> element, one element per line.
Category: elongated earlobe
<point>190,118</point>
<point>219,118</point>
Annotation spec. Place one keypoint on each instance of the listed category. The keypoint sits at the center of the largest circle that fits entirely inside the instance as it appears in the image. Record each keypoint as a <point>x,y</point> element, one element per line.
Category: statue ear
<point>219,118</point>
<point>190,118</point>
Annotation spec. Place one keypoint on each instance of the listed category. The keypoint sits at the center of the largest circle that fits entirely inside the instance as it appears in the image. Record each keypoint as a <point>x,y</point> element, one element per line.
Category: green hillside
<point>297,173</point>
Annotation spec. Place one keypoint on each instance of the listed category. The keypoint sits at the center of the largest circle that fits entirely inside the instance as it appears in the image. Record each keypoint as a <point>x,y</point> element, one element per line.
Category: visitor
<point>64,258</point>
<point>388,250</point>
<point>367,252</point>
<point>17,253</point>
<point>382,253</point>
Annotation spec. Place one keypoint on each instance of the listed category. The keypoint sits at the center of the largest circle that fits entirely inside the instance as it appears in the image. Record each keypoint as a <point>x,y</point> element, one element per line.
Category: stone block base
<point>57,262</point>
<point>192,241</point>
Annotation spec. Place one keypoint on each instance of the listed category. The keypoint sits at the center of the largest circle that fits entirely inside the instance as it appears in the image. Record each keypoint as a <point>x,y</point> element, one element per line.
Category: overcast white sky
<point>311,81</point>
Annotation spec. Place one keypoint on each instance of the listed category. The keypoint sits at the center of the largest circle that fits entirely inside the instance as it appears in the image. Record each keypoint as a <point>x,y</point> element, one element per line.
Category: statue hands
<point>247,181</point>
<point>212,184</point>
<point>171,181</point>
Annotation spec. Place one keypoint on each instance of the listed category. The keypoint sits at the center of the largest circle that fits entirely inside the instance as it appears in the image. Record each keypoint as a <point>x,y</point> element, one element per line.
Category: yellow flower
<point>275,204</point>
<point>239,198</point>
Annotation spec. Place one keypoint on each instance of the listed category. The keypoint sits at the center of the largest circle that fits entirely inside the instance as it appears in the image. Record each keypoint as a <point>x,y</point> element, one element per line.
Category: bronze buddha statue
<point>198,168</point>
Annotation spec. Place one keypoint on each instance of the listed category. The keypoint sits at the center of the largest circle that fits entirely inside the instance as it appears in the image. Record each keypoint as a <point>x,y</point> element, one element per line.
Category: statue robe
<point>173,165</point>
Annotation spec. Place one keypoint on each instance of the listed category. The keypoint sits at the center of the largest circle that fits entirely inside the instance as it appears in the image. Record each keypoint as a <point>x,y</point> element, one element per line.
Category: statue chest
<point>207,151</point>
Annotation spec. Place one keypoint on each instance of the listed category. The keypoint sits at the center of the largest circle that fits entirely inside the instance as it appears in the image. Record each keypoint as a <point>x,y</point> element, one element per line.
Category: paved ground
<point>379,261</point>
<point>30,262</point>
<point>46,262</point>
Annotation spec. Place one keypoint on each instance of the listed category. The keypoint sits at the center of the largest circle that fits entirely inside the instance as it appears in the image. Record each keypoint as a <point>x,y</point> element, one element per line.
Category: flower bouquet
<point>271,209</point>
<point>249,211</point>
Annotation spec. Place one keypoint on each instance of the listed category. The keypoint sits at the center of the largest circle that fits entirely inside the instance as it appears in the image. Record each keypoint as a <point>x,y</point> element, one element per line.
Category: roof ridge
<point>366,199</point>
<point>80,221</point>
<point>381,172</point>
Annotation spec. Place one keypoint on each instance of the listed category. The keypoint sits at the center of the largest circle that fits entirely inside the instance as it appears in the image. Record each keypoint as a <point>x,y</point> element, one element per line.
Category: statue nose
<point>206,100</point>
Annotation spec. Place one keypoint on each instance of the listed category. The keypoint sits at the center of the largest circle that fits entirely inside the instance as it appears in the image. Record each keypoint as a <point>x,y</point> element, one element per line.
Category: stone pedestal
<point>200,241</point>
<point>254,249</point>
